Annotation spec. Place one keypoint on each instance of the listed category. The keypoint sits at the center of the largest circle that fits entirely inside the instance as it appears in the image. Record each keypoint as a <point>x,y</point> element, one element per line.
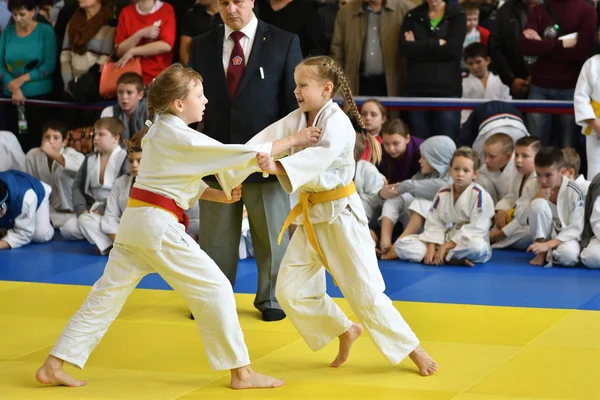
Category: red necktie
<point>235,70</point>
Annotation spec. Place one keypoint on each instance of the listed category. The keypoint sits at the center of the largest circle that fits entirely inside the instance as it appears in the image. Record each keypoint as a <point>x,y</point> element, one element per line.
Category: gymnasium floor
<point>500,331</point>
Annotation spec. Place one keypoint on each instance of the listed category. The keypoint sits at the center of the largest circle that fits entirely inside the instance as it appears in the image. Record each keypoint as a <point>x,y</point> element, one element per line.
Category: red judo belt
<point>160,201</point>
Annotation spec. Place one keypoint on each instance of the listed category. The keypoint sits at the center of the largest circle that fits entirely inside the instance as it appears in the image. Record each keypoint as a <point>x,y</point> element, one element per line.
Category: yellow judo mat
<point>153,351</point>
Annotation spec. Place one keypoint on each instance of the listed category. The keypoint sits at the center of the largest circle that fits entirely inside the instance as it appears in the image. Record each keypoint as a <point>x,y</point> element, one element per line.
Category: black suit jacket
<point>258,101</point>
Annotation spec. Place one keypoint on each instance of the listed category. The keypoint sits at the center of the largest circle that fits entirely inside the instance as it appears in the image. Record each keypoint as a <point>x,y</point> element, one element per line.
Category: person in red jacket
<point>146,29</point>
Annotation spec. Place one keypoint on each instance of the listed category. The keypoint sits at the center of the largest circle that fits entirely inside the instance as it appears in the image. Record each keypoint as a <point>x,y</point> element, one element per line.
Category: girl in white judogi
<point>508,231</point>
<point>368,180</point>
<point>150,238</point>
<point>417,193</point>
<point>555,212</point>
<point>590,239</point>
<point>332,226</point>
<point>56,165</point>
<point>97,174</point>
<point>101,230</point>
<point>456,228</point>
<point>11,153</point>
<point>586,103</point>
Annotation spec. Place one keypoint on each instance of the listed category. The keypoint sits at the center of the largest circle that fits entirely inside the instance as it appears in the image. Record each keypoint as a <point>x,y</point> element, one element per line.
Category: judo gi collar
<point>320,113</point>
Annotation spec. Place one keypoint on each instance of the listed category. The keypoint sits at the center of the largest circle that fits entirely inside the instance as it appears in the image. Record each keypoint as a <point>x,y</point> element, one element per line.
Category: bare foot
<point>390,254</point>
<point>462,261</point>
<point>539,259</point>
<point>346,340</point>
<point>423,361</point>
<point>246,378</point>
<point>52,372</point>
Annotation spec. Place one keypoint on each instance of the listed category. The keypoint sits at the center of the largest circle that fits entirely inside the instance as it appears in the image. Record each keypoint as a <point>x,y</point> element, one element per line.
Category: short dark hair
<point>475,50</point>
<point>56,125</point>
<point>572,159</point>
<point>532,141</point>
<point>16,5</point>
<point>395,127</point>
<point>549,156</point>
<point>131,78</point>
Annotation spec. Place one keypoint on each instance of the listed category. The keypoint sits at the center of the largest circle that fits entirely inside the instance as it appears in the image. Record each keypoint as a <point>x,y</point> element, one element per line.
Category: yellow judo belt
<point>596,108</point>
<point>307,200</point>
<point>139,203</point>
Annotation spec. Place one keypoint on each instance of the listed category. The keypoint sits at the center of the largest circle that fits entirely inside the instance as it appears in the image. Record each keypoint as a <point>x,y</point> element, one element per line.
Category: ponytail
<point>148,123</point>
<point>375,148</point>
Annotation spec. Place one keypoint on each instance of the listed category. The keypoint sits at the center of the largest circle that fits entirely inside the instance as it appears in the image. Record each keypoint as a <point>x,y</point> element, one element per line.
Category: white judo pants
<point>58,219</point>
<point>91,228</point>
<point>189,271</point>
<point>396,208</point>
<point>420,206</point>
<point>590,256</point>
<point>301,288</point>
<point>592,149</point>
<point>70,228</point>
<point>540,223</point>
<point>411,249</point>
<point>520,240</point>
<point>44,232</point>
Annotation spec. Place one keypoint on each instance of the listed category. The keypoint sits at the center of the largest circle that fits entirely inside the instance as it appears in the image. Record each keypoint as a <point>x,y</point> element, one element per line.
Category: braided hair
<point>328,70</point>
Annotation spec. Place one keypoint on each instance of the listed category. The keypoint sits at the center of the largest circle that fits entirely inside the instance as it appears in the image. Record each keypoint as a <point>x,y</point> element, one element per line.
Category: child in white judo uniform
<point>11,152</point>
<point>97,174</point>
<point>481,83</point>
<point>417,193</point>
<point>101,230</point>
<point>368,180</point>
<point>332,226</point>
<point>456,228</point>
<point>152,238</point>
<point>586,103</point>
<point>56,165</point>
<point>590,239</point>
<point>555,213</point>
<point>507,232</point>
<point>572,165</point>
<point>499,168</point>
<point>24,210</point>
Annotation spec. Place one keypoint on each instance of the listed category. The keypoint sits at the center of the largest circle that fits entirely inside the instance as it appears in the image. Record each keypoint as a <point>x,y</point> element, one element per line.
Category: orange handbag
<point>110,74</point>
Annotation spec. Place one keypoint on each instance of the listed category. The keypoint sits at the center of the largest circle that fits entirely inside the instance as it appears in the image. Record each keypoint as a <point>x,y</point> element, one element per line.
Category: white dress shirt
<point>247,41</point>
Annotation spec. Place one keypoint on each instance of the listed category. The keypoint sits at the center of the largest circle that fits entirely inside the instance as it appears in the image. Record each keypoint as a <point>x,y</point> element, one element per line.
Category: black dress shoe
<point>273,314</point>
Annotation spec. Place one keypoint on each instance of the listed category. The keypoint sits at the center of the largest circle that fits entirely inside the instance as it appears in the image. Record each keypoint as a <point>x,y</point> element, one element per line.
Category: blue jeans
<point>428,123</point>
<point>566,133</point>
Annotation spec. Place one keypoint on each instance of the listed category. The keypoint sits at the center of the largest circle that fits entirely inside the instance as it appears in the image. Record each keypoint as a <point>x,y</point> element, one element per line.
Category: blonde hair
<point>134,145</point>
<point>469,153</point>
<point>170,85</point>
<point>504,140</point>
<point>572,159</point>
<point>326,69</point>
